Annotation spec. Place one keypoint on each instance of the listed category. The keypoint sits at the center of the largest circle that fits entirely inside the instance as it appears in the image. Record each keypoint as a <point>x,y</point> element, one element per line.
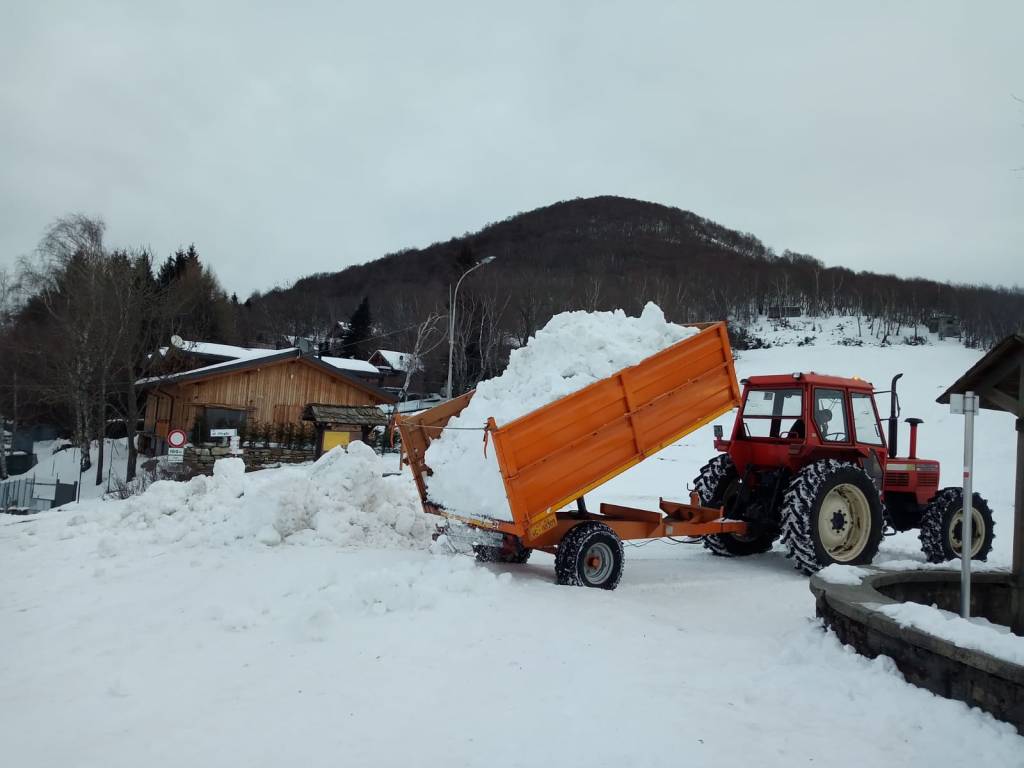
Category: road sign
<point>176,438</point>
<point>964,404</point>
<point>175,455</point>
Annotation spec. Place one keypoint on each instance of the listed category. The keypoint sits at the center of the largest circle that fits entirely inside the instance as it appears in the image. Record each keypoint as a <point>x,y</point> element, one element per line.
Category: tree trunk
<point>84,437</point>
<point>3,449</point>
<point>131,421</point>
<point>101,432</point>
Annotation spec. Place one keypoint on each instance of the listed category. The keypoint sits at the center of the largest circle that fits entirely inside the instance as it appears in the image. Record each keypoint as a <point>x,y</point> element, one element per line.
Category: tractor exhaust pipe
<point>914,423</point>
<point>894,416</point>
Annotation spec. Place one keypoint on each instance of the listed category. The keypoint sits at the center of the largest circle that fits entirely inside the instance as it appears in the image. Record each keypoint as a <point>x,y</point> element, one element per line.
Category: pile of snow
<point>344,499</point>
<point>573,350</point>
<point>843,574</point>
<point>977,634</point>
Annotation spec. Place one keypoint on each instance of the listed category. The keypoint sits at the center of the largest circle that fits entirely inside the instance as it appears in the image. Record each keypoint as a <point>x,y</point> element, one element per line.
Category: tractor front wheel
<point>589,555</point>
<point>942,527</point>
<point>831,513</point>
<point>717,486</point>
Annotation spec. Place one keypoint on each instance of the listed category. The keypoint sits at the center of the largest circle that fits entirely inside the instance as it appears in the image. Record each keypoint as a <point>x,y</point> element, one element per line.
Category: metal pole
<point>966,533</point>
<point>451,339</point>
<point>451,318</point>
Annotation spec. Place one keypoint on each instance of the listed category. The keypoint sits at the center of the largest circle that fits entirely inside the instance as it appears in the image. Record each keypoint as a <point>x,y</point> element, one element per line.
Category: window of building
<point>221,418</point>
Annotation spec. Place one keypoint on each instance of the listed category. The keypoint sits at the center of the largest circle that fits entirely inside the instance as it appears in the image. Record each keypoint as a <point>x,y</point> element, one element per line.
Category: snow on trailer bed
<point>574,350</point>
<point>366,649</point>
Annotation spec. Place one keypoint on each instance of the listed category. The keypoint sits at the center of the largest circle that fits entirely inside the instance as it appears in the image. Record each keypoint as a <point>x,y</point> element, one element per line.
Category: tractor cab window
<point>865,420</point>
<point>830,415</point>
<point>774,413</point>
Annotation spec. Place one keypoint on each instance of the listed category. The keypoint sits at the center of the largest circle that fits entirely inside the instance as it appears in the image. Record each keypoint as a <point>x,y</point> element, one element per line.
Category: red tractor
<point>808,461</point>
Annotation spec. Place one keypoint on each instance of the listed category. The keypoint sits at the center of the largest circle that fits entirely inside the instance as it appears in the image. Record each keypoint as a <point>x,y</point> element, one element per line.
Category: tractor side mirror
<point>719,431</point>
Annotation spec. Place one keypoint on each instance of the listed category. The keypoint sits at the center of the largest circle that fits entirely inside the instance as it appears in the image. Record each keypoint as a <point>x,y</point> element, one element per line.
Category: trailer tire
<point>831,513</point>
<point>589,555</point>
<point>485,554</point>
<point>940,523</point>
<point>713,485</point>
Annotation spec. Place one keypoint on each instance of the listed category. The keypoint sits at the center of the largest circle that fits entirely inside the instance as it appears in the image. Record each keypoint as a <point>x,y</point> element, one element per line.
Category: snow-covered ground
<point>126,644</point>
<point>62,465</point>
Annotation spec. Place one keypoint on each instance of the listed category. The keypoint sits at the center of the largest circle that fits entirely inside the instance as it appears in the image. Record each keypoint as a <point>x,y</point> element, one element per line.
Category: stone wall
<point>979,680</point>
<point>200,458</point>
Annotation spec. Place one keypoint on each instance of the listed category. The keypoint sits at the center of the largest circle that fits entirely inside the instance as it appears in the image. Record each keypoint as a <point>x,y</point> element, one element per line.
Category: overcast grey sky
<point>289,140</point>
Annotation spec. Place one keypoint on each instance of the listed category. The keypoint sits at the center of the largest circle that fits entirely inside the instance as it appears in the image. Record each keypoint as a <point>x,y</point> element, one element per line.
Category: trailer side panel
<point>555,454</point>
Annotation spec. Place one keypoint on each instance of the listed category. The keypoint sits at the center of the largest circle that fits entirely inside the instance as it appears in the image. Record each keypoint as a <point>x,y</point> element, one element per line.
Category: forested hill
<point>612,252</point>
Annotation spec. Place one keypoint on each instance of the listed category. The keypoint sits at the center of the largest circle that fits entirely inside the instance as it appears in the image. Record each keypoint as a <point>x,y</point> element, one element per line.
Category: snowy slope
<point>124,647</point>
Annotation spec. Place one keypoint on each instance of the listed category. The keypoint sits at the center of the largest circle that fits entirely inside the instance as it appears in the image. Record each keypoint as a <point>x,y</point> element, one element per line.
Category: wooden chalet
<point>273,386</point>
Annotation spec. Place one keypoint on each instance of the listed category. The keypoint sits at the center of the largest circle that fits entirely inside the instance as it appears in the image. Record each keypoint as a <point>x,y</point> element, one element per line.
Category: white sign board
<point>223,432</point>
<point>963,404</point>
<point>175,455</point>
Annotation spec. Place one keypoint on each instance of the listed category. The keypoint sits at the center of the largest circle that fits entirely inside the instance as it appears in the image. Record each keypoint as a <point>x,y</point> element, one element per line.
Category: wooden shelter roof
<point>359,415</point>
<point>996,378</point>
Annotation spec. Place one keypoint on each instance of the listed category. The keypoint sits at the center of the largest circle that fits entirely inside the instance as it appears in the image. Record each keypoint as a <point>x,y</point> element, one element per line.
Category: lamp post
<point>451,319</point>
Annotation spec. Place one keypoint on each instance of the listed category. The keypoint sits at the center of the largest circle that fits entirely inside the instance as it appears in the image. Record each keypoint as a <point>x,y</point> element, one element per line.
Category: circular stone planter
<point>972,676</point>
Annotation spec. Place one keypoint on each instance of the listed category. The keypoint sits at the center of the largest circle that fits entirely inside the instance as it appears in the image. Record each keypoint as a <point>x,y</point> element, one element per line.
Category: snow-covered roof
<point>255,355</point>
<point>214,350</point>
<point>349,364</point>
<point>399,361</point>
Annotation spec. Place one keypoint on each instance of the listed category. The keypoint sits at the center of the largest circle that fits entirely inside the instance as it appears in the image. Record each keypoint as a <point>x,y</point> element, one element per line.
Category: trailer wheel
<point>941,526</point>
<point>589,555</point>
<point>716,485</point>
<point>831,513</point>
<point>512,552</point>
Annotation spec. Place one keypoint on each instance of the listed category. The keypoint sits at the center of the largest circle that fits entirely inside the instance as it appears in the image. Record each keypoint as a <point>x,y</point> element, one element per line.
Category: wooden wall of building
<point>275,393</point>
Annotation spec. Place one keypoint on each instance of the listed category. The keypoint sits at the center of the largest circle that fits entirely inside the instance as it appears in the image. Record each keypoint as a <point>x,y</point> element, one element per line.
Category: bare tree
<point>429,336</point>
<point>67,283</point>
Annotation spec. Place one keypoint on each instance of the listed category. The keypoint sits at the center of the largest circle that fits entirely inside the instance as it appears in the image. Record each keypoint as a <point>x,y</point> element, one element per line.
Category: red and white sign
<point>177,438</point>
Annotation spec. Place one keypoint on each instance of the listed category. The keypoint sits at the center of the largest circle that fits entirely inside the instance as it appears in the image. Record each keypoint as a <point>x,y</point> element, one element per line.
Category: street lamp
<point>451,318</point>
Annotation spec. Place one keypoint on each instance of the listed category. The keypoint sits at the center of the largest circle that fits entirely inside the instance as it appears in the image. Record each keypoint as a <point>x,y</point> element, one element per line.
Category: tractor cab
<point>792,420</point>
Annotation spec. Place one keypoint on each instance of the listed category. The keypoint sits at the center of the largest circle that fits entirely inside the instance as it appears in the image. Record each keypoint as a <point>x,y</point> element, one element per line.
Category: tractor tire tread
<point>934,524</point>
<point>799,503</point>
<point>708,485</point>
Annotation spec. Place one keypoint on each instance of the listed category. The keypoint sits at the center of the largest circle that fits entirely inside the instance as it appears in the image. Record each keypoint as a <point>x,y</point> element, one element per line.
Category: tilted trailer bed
<point>551,457</point>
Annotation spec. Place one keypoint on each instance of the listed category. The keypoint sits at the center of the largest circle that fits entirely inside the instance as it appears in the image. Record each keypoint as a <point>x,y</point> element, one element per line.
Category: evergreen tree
<point>360,328</point>
<point>165,276</point>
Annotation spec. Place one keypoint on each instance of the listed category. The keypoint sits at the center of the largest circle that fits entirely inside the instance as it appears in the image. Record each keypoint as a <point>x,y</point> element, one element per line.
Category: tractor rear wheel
<point>589,555</point>
<point>942,524</point>
<point>831,513</point>
<point>716,486</point>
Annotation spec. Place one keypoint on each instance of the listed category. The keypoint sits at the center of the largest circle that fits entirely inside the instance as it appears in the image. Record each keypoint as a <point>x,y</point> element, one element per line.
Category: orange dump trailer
<point>551,457</point>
